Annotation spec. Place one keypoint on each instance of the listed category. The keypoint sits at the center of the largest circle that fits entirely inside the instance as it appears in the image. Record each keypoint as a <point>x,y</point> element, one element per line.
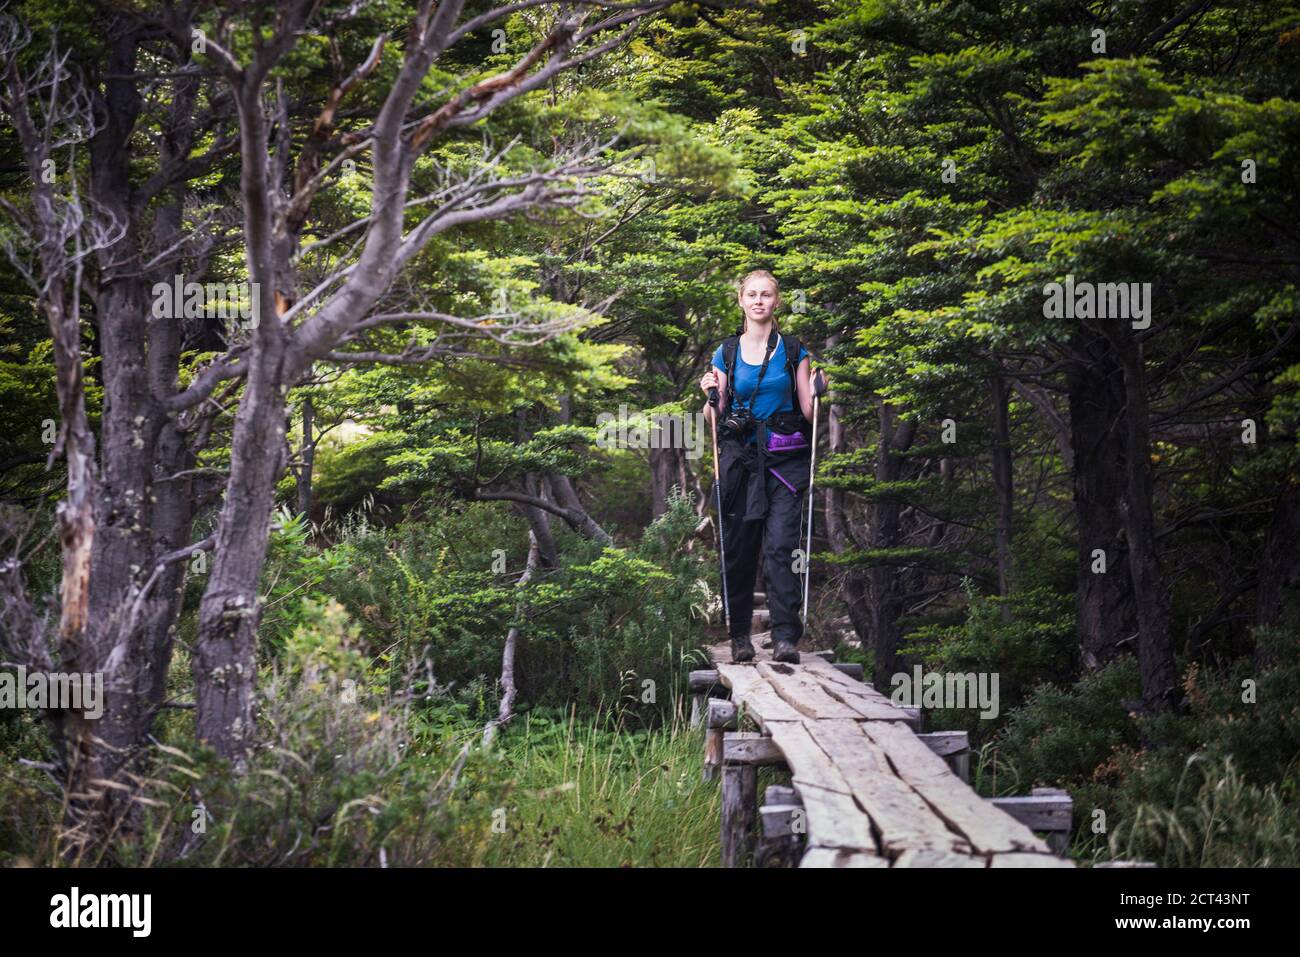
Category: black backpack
<point>793,419</point>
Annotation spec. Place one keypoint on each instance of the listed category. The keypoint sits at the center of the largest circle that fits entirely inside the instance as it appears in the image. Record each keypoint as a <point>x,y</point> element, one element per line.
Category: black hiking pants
<point>774,536</point>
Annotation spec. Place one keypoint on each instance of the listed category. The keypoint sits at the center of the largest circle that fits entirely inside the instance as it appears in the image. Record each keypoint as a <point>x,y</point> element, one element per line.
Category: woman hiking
<point>765,406</point>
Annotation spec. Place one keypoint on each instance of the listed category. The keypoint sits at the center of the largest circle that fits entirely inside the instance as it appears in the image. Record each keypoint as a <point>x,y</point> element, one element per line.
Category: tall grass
<point>600,794</point>
<point>1218,819</point>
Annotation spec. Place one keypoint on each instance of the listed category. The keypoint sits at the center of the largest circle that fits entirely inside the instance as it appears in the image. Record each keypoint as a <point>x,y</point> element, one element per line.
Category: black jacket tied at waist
<point>789,465</point>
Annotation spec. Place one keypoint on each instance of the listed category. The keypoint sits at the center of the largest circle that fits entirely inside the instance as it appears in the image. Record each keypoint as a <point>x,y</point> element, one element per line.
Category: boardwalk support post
<point>784,827</point>
<point>721,716</point>
<point>702,684</point>
<point>739,802</point>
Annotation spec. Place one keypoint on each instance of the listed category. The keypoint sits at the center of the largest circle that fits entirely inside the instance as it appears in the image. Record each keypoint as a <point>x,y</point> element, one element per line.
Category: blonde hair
<point>740,291</point>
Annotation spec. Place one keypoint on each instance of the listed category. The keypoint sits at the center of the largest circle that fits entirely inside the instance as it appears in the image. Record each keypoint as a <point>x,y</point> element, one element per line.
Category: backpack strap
<point>792,347</point>
<point>729,347</point>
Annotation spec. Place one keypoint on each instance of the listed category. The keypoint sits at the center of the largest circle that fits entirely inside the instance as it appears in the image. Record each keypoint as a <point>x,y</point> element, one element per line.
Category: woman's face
<point>758,299</point>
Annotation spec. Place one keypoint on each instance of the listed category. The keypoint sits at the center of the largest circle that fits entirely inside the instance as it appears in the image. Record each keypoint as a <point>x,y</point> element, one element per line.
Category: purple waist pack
<point>776,442</point>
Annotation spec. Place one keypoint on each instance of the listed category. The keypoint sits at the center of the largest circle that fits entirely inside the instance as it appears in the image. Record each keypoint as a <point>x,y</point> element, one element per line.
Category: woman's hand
<point>709,381</point>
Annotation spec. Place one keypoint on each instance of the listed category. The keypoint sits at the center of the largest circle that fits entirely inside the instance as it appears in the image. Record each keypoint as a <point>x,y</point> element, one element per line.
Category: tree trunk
<point>841,539</point>
<point>1279,564</point>
<point>308,456</point>
<point>225,663</point>
<point>664,474</point>
<point>1103,601</point>
<point>885,579</point>
<point>1155,642</point>
<point>1003,489</point>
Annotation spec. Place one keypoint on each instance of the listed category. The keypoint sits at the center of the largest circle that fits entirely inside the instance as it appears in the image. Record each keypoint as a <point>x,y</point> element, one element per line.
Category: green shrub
<point>1025,639</point>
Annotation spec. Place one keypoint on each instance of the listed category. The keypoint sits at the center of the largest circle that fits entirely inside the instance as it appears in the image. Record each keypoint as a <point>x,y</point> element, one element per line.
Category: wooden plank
<point>735,676</point>
<point>834,819</point>
<point>932,857</point>
<point>828,671</point>
<point>1029,860</point>
<point>988,829</point>
<point>760,699</point>
<point>802,692</point>
<point>807,761</point>
<point>862,698</point>
<point>840,857</point>
<point>864,706</point>
<point>900,815</point>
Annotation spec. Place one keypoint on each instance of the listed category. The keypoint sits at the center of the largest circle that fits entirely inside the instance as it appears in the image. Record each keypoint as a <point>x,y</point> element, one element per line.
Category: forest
<point>314,315</point>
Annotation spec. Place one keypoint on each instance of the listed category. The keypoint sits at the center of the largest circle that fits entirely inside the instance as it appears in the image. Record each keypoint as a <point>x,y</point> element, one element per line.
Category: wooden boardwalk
<point>868,790</point>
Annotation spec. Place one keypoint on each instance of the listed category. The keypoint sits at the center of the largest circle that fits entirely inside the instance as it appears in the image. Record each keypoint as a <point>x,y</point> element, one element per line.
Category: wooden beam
<point>944,743</point>
<point>702,682</point>
<point>1039,812</point>
<point>750,747</point>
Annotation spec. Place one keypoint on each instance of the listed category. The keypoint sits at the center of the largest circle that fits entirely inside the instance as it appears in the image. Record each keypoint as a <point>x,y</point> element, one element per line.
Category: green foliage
<point>338,779</point>
<point>1219,790</point>
<point>1025,639</point>
<point>1061,736</point>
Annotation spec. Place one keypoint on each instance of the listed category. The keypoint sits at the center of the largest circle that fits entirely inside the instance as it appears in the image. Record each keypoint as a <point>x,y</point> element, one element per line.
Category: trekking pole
<point>819,386</point>
<point>717,490</point>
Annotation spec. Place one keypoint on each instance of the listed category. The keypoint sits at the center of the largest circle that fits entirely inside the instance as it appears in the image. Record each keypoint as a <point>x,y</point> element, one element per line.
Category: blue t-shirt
<point>774,395</point>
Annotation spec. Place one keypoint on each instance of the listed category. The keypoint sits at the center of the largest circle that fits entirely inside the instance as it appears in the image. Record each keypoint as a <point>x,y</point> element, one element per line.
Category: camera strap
<point>731,355</point>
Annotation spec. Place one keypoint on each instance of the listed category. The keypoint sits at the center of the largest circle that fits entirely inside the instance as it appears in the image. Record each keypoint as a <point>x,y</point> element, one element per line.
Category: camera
<point>739,422</point>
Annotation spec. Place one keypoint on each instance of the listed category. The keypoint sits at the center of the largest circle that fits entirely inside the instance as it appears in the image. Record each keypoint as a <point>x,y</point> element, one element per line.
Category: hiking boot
<point>742,649</point>
<point>783,650</point>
